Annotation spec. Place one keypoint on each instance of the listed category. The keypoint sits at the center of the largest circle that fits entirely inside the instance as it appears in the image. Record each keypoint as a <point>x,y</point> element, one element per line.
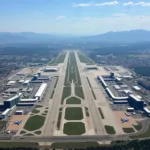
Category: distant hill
<point>24,37</point>
<point>124,36</point>
<point>128,36</point>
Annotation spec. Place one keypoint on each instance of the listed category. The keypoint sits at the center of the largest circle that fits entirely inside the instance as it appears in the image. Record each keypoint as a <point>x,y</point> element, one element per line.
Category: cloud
<point>81,5</point>
<point>128,3</point>
<point>107,3</point>
<point>143,4</point>
<point>60,17</point>
<point>96,4</point>
<point>119,15</point>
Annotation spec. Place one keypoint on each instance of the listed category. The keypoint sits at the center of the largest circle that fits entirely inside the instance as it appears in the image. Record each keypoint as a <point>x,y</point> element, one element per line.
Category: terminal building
<point>9,103</point>
<point>41,91</point>
<point>136,102</point>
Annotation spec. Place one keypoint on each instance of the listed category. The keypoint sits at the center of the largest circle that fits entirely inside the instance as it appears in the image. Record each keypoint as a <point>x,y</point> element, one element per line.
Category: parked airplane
<point>18,122</point>
<point>124,120</point>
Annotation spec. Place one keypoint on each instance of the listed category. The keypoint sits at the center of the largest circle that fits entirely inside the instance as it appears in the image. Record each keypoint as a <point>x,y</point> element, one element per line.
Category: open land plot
<point>74,128</point>
<point>34,123</point>
<point>84,59</point>
<point>129,124</point>
<point>71,145</point>
<point>79,92</point>
<point>73,113</point>
<point>15,118</point>
<point>110,129</point>
<point>66,93</point>
<point>73,100</point>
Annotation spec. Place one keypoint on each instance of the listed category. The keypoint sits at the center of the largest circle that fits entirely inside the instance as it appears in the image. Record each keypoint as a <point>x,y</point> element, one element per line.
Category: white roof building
<point>41,90</point>
<point>136,88</point>
<point>11,83</point>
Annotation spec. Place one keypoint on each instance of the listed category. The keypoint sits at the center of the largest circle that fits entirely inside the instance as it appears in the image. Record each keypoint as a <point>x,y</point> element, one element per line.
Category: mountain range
<point>122,36</point>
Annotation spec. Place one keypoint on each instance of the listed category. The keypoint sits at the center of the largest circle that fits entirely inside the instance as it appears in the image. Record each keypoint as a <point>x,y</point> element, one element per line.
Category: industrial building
<point>26,82</point>
<point>147,111</point>
<point>9,103</point>
<point>51,69</point>
<point>136,88</point>
<point>41,91</point>
<point>136,102</point>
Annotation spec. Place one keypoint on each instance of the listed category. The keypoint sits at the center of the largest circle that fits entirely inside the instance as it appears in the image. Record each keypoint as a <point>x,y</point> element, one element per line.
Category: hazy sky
<point>73,16</point>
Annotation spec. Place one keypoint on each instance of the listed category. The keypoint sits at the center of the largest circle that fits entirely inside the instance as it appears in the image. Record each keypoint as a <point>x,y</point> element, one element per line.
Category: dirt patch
<point>13,126</point>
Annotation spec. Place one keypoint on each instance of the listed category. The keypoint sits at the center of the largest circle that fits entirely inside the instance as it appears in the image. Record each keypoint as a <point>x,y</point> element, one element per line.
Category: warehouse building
<point>9,103</point>
<point>19,112</point>
<point>51,69</point>
<point>41,91</point>
<point>91,67</point>
<point>136,102</point>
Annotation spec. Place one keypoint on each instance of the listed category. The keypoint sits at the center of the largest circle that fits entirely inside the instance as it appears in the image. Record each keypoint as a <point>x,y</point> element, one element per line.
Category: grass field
<point>101,113</point>
<point>74,128</point>
<point>66,93</point>
<point>84,59</point>
<point>38,132</point>
<point>79,92</point>
<point>18,145</point>
<point>34,123</point>
<point>73,100</point>
<point>87,112</point>
<point>143,135</point>
<point>67,145</point>
<point>93,94</point>
<point>59,59</point>
<point>59,120</point>
<point>73,113</point>
<point>138,127</point>
<point>110,129</point>
<point>22,132</point>
<point>128,130</point>
<point>35,111</point>
<point>39,106</point>
<point>2,124</point>
<point>72,73</point>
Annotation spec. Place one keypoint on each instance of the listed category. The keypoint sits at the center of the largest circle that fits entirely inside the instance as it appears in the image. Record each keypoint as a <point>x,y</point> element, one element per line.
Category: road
<point>71,138</point>
<point>53,113</point>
